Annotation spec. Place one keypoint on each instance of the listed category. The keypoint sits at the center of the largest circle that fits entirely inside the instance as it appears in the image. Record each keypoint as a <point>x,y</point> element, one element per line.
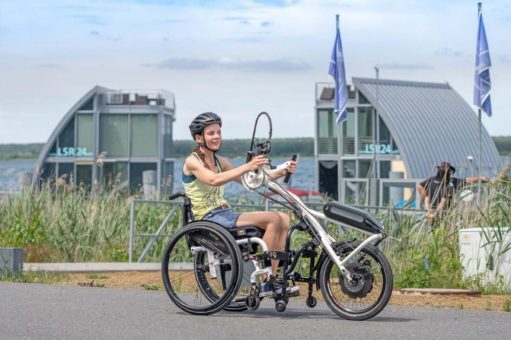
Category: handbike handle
<point>288,175</point>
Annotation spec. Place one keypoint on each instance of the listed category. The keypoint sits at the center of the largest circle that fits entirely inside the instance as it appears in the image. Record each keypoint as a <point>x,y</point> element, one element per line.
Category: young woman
<point>204,177</point>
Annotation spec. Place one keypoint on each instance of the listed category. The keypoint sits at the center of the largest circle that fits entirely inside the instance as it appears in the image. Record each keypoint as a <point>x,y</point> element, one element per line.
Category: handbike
<point>203,263</point>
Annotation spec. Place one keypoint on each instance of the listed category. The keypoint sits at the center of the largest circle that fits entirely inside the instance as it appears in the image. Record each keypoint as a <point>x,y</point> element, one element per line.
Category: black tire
<point>370,290</point>
<point>187,276</point>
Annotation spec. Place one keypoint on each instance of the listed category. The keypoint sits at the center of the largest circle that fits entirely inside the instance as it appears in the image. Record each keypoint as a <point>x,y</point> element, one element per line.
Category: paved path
<point>61,312</point>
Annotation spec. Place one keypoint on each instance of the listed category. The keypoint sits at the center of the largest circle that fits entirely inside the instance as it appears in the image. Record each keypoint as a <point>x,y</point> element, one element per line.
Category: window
<point>88,106</point>
<point>348,133</point>
<point>84,176</point>
<point>67,136</point>
<point>144,136</point>
<point>65,172</point>
<point>364,168</point>
<point>349,169</point>
<point>365,129</point>
<point>136,170</point>
<point>167,136</point>
<point>115,175</point>
<point>327,132</point>
<point>362,99</point>
<point>114,135</point>
<point>85,134</point>
<point>168,177</point>
<point>47,172</point>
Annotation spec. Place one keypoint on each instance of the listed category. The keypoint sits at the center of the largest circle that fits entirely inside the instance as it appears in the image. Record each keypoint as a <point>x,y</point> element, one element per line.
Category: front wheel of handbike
<point>201,268</point>
<point>369,289</point>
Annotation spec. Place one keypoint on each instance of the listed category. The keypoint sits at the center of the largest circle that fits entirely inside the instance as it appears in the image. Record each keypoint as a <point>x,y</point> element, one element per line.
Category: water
<point>303,178</point>
<point>10,173</point>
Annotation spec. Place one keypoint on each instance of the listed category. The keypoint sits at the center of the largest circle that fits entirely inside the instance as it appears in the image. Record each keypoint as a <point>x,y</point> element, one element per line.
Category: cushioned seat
<point>248,231</point>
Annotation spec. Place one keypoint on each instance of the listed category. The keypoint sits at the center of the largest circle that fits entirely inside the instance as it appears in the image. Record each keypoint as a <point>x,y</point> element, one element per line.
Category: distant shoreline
<point>232,148</point>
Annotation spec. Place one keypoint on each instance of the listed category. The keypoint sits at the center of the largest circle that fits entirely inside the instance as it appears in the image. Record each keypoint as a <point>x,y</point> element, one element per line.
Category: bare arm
<point>291,168</point>
<point>194,166</point>
<point>476,179</point>
<point>424,196</point>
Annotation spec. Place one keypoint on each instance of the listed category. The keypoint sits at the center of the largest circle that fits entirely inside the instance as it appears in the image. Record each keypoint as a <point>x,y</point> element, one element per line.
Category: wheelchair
<point>204,263</point>
<point>205,267</point>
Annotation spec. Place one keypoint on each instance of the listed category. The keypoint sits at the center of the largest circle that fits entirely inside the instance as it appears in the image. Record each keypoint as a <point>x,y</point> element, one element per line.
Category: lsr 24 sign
<point>379,148</point>
<point>72,152</point>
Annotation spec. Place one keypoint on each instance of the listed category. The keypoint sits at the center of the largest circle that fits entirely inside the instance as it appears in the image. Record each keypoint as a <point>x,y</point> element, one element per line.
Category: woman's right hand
<point>257,163</point>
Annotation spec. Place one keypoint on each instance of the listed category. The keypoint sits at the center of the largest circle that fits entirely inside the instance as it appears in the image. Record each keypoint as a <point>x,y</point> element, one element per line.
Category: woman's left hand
<point>291,167</point>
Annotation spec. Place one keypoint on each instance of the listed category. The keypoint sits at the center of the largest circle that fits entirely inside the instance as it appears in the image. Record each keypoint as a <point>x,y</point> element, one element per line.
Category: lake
<point>303,178</point>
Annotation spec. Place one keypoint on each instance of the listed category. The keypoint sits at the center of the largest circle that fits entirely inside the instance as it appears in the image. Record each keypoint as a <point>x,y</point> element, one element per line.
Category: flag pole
<point>479,4</point>
<point>480,156</point>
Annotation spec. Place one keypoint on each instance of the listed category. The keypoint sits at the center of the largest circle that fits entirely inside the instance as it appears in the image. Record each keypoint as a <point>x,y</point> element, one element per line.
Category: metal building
<point>418,125</point>
<point>110,138</point>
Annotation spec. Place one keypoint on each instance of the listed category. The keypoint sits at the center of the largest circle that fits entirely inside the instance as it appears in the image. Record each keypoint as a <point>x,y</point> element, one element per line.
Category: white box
<point>479,253</point>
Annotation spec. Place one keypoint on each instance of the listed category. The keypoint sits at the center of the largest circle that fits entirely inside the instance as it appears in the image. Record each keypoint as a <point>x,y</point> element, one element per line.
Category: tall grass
<point>72,226</point>
<point>425,251</point>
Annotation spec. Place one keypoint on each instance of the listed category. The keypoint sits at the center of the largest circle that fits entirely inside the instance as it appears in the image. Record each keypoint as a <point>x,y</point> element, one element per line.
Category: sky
<point>236,58</point>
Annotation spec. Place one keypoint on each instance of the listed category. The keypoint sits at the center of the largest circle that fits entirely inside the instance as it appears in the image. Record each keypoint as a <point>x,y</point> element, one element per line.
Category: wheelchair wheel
<point>201,268</point>
<point>210,292</point>
<point>369,290</point>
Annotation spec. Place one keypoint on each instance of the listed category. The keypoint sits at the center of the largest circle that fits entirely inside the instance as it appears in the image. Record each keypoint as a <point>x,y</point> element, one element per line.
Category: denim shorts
<point>225,217</point>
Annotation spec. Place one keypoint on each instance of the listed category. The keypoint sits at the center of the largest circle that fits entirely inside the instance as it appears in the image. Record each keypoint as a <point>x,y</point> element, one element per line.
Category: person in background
<point>438,191</point>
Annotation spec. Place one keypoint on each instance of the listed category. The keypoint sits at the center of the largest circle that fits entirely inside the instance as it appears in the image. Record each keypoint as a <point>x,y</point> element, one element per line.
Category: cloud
<point>49,65</point>
<point>275,65</point>
<point>447,52</point>
<point>90,19</point>
<point>98,35</point>
<point>505,59</point>
<point>411,67</point>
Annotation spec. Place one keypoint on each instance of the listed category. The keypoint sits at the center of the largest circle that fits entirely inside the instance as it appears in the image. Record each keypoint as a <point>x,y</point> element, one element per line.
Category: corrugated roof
<point>430,123</point>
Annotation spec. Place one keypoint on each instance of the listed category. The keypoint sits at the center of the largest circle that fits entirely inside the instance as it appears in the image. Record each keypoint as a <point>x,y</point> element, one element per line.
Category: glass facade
<point>111,140</point>
<point>365,129</point>
<point>144,135</point>
<point>85,134</point>
<point>348,134</point>
<point>114,135</point>
<point>327,132</point>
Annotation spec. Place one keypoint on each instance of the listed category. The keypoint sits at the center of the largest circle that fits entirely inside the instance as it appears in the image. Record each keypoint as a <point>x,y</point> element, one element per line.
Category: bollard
<point>11,261</point>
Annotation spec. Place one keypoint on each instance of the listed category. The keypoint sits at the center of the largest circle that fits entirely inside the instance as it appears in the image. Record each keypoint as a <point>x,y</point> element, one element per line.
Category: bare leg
<point>275,226</point>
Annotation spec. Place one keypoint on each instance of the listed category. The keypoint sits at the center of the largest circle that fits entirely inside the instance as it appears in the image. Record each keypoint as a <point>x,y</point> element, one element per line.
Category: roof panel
<point>430,122</point>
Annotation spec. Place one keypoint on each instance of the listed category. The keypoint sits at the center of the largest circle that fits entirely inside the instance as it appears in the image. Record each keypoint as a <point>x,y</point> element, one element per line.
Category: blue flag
<point>482,82</point>
<point>336,70</point>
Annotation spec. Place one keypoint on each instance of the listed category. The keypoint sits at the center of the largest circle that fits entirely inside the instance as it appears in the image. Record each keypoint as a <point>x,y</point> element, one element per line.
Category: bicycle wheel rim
<point>192,285</point>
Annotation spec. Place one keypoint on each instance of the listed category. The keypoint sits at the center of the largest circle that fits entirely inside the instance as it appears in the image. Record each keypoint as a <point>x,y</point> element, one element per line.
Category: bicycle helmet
<point>201,121</point>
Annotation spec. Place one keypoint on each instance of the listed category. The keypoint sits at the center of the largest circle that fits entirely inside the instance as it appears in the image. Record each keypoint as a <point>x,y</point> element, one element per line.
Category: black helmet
<point>201,121</point>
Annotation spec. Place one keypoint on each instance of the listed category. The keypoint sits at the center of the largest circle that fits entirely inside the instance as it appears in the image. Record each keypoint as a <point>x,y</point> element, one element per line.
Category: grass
<point>35,277</point>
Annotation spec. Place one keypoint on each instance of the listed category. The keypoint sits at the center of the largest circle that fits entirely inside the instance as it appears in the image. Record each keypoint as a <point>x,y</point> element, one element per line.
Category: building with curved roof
<point>111,137</point>
<point>419,125</point>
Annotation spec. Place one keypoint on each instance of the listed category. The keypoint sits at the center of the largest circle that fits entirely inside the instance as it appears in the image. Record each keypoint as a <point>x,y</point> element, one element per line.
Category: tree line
<point>281,147</point>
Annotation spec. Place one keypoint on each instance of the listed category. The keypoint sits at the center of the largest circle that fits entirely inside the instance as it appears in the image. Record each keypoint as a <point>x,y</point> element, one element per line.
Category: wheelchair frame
<point>354,280</point>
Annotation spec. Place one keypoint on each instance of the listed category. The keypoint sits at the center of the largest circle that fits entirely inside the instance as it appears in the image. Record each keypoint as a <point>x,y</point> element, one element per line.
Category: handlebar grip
<point>288,175</point>
<point>176,195</point>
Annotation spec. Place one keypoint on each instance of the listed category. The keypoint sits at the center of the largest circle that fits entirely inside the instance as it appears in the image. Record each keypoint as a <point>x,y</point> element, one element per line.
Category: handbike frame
<point>308,217</point>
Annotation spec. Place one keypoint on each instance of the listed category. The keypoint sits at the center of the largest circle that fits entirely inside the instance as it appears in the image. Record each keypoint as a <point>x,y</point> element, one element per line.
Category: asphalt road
<point>37,311</point>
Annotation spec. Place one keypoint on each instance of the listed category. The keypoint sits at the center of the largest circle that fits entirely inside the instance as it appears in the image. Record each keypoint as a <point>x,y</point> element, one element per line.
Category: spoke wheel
<point>369,289</point>
<point>201,268</point>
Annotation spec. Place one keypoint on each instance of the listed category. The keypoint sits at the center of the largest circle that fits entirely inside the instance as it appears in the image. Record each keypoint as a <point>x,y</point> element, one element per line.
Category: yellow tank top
<point>204,197</point>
